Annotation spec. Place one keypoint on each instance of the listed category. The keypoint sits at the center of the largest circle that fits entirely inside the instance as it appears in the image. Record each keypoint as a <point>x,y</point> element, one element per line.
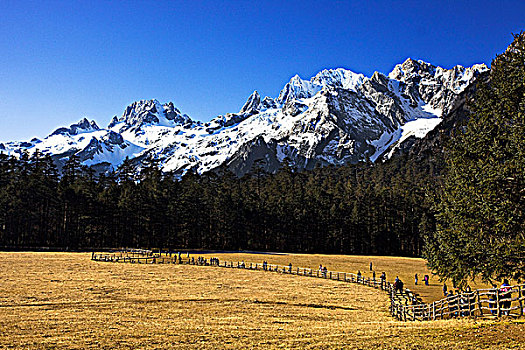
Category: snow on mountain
<point>335,117</point>
<point>298,88</point>
<point>92,144</point>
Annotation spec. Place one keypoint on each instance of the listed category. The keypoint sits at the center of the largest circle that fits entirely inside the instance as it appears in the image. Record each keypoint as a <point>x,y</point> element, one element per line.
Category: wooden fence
<point>405,305</point>
<point>494,302</point>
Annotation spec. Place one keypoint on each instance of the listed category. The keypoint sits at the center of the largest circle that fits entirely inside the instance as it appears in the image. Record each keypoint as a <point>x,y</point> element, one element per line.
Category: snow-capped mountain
<point>335,117</point>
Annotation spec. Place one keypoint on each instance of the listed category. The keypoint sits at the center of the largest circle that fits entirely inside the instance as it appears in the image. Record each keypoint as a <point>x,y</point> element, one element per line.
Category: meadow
<point>65,300</point>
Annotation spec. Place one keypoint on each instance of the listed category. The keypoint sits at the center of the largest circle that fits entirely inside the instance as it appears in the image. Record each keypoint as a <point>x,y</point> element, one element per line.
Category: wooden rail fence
<point>405,305</point>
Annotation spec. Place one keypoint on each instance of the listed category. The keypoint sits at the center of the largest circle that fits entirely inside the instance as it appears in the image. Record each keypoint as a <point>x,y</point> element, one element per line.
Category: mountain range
<point>334,118</point>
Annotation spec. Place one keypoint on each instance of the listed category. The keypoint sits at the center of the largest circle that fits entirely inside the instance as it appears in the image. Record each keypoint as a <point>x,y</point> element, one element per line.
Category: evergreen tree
<point>481,213</point>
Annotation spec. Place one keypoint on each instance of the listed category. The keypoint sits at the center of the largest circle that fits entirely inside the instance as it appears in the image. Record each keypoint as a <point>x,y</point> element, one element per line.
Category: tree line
<point>354,209</point>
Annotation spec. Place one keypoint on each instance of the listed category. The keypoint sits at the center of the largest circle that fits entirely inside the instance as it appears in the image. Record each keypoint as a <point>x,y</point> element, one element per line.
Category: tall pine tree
<point>481,215</point>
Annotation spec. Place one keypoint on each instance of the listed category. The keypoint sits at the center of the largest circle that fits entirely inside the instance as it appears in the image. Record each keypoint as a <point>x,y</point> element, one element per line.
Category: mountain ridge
<point>335,117</point>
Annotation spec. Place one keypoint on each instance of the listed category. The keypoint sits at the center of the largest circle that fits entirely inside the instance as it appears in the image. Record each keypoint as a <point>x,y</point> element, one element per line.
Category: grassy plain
<point>60,300</point>
<point>404,268</point>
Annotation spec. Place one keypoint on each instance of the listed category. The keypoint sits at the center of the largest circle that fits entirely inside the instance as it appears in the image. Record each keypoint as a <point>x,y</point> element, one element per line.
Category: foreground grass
<point>58,300</point>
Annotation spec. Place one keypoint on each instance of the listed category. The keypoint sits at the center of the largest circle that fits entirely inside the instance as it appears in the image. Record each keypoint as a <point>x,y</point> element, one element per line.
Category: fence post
<point>520,300</point>
<point>391,305</point>
<point>479,303</point>
<point>498,303</point>
<point>469,303</point>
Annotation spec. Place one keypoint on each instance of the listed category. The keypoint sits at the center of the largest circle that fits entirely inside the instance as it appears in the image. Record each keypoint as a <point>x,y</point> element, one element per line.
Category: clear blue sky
<point>63,60</point>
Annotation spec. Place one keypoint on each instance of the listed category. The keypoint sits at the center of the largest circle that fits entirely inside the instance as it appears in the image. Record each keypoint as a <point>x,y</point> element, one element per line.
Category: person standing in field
<point>415,279</point>
<point>506,295</point>
<point>383,279</point>
<point>370,266</point>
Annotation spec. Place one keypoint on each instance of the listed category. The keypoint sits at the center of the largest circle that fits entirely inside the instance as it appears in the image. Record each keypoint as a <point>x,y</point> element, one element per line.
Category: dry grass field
<point>404,268</point>
<point>66,301</point>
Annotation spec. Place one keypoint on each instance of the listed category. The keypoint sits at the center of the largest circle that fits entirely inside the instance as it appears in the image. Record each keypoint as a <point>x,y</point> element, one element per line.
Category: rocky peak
<point>412,69</point>
<point>294,89</point>
<point>330,79</point>
<point>458,77</point>
<point>268,103</point>
<point>173,113</point>
<point>83,125</point>
<point>141,112</point>
<point>252,104</point>
<point>379,78</point>
<point>338,78</point>
<point>146,112</point>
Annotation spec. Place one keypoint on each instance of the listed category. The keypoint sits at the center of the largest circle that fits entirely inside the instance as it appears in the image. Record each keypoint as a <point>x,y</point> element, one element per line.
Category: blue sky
<point>63,60</point>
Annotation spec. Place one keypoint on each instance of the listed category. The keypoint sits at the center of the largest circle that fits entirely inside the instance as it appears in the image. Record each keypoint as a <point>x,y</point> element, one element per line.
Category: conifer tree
<point>481,214</point>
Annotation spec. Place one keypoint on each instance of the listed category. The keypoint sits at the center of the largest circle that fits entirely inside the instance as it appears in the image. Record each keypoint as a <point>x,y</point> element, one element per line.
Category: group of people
<point>398,285</point>
<point>203,261</point>
<point>426,279</point>
<point>464,299</point>
<point>454,291</point>
<point>323,270</point>
<point>179,256</point>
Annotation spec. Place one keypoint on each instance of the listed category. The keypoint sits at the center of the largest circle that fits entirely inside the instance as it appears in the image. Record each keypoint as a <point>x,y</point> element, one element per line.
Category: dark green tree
<point>481,213</point>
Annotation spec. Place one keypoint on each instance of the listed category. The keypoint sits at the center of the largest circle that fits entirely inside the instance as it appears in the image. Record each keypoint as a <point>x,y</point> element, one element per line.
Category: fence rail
<point>405,305</point>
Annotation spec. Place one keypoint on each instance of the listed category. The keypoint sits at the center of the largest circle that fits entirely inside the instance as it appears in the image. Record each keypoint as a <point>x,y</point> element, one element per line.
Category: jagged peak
<point>326,78</point>
<point>150,112</point>
<point>380,78</point>
<point>411,67</point>
<point>268,103</point>
<point>295,88</point>
<point>338,77</point>
<point>296,78</point>
<point>297,81</point>
<point>84,125</point>
<point>252,104</point>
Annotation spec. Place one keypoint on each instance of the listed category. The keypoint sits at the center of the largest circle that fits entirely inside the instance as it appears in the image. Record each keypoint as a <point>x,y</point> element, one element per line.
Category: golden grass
<point>405,268</point>
<point>60,300</point>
